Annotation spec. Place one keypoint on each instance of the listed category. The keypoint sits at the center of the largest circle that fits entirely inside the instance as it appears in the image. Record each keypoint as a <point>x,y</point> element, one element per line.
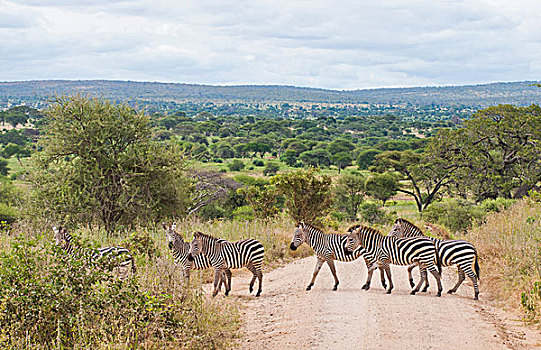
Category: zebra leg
<point>330,262</point>
<point>253,270</point>
<point>387,269</point>
<point>371,269</point>
<point>218,273</point>
<point>461,278</point>
<point>436,274</point>
<point>427,284</point>
<point>473,278</point>
<point>410,276</point>
<point>227,279</point>
<point>424,278</point>
<point>319,263</point>
<point>260,277</point>
<point>382,273</point>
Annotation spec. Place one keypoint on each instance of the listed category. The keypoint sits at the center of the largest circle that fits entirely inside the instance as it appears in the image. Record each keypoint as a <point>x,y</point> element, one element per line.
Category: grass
<point>509,247</point>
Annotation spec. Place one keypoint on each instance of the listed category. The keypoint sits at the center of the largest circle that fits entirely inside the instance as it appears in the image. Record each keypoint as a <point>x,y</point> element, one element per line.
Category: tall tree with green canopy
<point>497,153</point>
<point>98,163</point>
<point>381,186</point>
<point>349,193</point>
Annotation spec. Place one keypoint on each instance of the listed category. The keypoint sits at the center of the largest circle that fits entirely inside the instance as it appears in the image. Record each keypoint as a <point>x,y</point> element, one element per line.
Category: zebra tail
<point>133,267</point>
<point>477,266</point>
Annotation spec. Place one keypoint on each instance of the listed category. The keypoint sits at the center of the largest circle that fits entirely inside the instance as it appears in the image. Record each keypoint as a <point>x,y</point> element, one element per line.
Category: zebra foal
<point>224,255</point>
<point>390,250</point>
<point>451,252</point>
<point>181,251</point>
<point>328,248</point>
<point>64,240</point>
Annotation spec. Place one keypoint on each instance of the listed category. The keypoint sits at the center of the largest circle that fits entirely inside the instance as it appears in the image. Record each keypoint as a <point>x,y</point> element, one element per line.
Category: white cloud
<point>319,43</point>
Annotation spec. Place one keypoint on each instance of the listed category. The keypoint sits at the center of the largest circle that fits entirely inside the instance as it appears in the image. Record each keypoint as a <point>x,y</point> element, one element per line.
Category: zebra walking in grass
<point>224,255</point>
<point>121,256</point>
<point>181,251</point>
<point>328,248</point>
<point>450,251</point>
<point>390,250</point>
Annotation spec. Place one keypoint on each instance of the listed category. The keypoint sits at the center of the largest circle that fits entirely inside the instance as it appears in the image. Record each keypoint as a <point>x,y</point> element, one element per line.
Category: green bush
<point>497,205</point>
<point>49,300</point>
<point>258,162</point>
<point>271,169</point>
<point>8,214</point>
<point>374,214</point>
<point>244,213</point>
<point>251,180</point>
<point>457,215</point>
<point>236,165</point>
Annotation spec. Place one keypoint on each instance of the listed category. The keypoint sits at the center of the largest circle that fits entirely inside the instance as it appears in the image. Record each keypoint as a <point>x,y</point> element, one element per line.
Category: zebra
<point>390,250</point>
<point>64,240</point>
<point>181,251</point>
<point>450,251</point>
<point>224,255</point>
<point>328,247</point>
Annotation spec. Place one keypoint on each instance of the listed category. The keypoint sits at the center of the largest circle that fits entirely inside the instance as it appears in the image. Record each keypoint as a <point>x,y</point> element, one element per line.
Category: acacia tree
<point>308,196</point>
<point>98,162</point>
<point>381,186</point>
<point>349,194</point>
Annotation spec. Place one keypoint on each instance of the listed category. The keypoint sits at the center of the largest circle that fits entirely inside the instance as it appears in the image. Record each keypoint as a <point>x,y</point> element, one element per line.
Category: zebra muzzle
<point>190,257</point>
<point>292,246</point>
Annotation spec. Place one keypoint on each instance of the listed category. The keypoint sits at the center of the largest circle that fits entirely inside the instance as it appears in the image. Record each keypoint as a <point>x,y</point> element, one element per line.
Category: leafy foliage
<point>349,193</point>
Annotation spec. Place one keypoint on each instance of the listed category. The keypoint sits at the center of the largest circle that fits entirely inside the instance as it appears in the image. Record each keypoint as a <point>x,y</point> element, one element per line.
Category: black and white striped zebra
<point>451,252</point>
<point>328,248</point>
<point>181,251</point>
<point>224,255</point>
<point>390,250</point>
<point>120,256</point>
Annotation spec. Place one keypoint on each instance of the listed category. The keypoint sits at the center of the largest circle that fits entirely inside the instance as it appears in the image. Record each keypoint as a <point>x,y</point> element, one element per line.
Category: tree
<point>209,186</point>
<point>316,157</point>
<point>381,186</point>
<point>236,165</point>
<point>341,160</point>
<point>271,168</point>
<point>262,199</point>
<point>349,194</point>
<point>497,153</point>
<point>289,157</point>
<point>340,145</point>
<point>425,174</point>
<point>19,152</point>
<point>98,163</point>
<point>3,167</point>
<point>308,196</point>
<point>366,158</point>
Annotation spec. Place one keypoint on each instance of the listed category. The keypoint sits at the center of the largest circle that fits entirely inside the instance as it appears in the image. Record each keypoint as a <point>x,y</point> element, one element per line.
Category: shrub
<point>497,205</point>
<point>251,180</point>
<point>271,169</point>
<point>457,215</point>
<point>374,214</point>
<point>49,300</point>
<point>244,213</point>
<point>236,165</point>
<point>258,162</point>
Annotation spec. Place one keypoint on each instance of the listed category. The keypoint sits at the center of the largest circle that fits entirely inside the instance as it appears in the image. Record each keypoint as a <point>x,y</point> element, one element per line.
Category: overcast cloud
<point>327,44</point>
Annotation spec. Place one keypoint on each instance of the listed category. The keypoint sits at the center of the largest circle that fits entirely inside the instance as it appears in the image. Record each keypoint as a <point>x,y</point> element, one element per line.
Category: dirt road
<point>288,317</point>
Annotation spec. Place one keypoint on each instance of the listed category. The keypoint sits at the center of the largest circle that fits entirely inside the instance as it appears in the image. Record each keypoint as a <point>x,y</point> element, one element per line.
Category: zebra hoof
<point>251,289</point>
<point>258,294</point>
<point>388,292</point>
<point>309,287</point>
<point>384,285</point>
<point>412,284</point>
<point>366,287</point>
<point>450,291</point>
<point>335,288</point>
<point>425,289</point>
<point>476,298</point>
<point>226,293</point>
<point>439,294</point>
<point>413,292</point>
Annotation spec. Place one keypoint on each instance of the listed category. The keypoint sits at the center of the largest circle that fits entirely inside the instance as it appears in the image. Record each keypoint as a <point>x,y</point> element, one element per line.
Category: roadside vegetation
<point>112,175</point>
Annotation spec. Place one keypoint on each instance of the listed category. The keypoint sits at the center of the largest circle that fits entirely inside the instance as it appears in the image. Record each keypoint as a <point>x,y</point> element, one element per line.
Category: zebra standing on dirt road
<point>181,251</point>
<point>64,240</point>
<point>451,252</point>
<point>224,255</point>
<point>390,250</point>
<point>328,247</point>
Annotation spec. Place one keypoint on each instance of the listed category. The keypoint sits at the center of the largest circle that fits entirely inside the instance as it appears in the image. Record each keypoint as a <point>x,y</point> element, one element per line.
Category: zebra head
<point>195,246</point>
<point>299,236</point>
<point>398,228</point>
<point>354,240</point>
<point>171,235</point>
<point>61,237</point>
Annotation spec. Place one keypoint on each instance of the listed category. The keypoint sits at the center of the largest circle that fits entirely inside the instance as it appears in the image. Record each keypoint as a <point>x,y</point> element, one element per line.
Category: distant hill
<point>36,93</point>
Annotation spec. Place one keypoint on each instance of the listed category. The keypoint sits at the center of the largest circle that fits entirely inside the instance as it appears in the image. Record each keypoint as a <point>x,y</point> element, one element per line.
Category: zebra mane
<point>365,229</point>
<point>310,226</point>
<point>354,227</point>
<point>407,223</point>
<point>204,235</point>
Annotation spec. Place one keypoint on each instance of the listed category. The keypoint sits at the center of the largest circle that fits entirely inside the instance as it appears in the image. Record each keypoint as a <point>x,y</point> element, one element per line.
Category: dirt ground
<point>286,316</point>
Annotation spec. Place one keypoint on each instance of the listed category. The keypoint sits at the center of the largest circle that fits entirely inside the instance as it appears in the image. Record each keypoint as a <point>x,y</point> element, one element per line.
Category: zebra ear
<point>174,226</point>
<point>196,234</point>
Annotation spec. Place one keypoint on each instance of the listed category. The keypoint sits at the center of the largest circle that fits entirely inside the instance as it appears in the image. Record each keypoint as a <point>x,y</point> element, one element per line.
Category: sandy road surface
<point>288,317</point>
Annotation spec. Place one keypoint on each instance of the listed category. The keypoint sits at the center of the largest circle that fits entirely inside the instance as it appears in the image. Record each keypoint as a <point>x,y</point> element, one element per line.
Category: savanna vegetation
<point>112,174</point>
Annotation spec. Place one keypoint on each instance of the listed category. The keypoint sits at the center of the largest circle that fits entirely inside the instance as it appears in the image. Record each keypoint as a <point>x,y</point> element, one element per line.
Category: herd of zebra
<point>404,245</point>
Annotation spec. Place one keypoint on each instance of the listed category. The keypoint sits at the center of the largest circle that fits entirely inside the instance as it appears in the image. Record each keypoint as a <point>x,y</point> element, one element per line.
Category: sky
<point>334,44</point>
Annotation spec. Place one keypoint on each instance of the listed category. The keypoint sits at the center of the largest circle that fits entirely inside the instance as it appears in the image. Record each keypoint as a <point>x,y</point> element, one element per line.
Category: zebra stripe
<point>64,240</point>
<point>224,255</point>
<point>390,250</point>
<point>451,252</point>
<point>328,247</point>
<point>181,251</point>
